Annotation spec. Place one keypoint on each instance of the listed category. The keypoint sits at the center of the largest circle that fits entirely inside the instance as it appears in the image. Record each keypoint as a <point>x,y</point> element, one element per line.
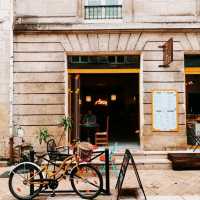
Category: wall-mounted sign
<point>167,53</point>
<point>165,110</point>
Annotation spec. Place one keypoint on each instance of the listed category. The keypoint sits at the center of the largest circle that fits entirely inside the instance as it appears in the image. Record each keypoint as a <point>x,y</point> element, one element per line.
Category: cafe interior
<point>114,100</point>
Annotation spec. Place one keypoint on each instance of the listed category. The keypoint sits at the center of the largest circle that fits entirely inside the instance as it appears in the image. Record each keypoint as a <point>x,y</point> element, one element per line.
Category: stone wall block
<point>56,77</point>
<point>35,88</point>
<point>38,109</point>
<point>43,99</point>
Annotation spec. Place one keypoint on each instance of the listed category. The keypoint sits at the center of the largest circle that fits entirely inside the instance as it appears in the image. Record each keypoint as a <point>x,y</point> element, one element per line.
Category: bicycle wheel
<point>86,181</point>
<point>21,181</point>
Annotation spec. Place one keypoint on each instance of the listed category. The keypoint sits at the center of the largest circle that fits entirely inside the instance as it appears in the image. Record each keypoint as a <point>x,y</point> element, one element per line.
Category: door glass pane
<point>111,2</point>
<point>112,11</point>
<point>94,2</point>
<point>94,12</point>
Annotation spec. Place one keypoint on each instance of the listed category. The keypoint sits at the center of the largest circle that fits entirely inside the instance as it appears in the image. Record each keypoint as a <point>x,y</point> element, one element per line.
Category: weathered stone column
<point>158,78</point>
<point>5,65</point>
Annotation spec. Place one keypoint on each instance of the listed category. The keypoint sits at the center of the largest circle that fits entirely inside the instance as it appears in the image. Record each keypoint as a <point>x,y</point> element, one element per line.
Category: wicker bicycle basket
<point>85,150</point>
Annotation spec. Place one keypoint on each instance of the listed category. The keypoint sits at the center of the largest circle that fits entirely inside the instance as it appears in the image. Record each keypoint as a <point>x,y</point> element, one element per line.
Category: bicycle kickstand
<point>53,194</point>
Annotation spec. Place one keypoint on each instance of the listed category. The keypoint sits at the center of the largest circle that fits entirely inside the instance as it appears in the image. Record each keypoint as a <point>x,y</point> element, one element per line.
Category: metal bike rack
<point>96,154</point>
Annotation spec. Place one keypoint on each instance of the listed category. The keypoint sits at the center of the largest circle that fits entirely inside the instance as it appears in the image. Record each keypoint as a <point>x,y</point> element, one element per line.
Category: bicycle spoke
<point>24,171</point>
<point>19,175</point>
<point>85,180</point>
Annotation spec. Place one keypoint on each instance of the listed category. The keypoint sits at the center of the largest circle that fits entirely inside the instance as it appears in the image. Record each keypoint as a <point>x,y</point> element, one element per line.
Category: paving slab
<point>194,197</point>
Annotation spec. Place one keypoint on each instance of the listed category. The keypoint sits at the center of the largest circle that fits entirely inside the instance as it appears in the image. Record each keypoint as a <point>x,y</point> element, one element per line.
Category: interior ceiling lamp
<point>113,97</point>
<point>88,98</point>
<point>101,102</point>
<point>189,83</point>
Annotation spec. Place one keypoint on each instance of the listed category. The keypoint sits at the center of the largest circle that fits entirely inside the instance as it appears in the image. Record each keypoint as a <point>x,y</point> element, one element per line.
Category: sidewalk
<point>148,198</point>
<point>158,185</point>
<point>60,197</point>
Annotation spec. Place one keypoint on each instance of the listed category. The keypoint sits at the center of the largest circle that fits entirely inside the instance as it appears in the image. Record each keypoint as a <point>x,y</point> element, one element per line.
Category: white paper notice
<point>164,110</point>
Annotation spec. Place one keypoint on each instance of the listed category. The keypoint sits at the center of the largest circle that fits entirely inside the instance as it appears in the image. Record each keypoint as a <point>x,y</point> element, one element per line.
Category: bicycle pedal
<point>52,195</point>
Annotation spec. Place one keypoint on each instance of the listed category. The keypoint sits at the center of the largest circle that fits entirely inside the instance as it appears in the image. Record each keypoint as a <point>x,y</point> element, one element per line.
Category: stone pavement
<point>148,198</point>
<point>158,185</point>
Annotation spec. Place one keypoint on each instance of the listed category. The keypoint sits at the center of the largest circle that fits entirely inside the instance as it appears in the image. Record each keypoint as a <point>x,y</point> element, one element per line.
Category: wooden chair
<point>194,138</point>
<point>101,138</point>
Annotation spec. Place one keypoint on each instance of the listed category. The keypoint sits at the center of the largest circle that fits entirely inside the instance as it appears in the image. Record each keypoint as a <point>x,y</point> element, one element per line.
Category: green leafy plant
<point>66,122</point>
<point>43,135</point>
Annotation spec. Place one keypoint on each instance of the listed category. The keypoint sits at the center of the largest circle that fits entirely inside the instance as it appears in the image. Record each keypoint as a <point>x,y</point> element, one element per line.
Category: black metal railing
<point>103,12</point>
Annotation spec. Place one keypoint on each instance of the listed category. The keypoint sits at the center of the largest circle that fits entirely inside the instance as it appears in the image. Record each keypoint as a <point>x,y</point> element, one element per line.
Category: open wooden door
<point>74,104</point>
<point>77,106</point>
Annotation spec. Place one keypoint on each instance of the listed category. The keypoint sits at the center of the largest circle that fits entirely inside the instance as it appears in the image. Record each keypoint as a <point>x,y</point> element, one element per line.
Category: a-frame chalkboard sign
<point>122,173</point>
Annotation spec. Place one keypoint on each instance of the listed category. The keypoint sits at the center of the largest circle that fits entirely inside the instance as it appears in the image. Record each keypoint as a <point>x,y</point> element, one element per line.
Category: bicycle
<point>28,179</point>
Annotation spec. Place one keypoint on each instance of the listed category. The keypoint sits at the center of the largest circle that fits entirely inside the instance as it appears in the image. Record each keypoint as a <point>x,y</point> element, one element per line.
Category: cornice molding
<point>102,28</point>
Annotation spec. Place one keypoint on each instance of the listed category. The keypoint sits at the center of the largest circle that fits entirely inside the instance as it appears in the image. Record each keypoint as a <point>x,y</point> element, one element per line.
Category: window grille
<point>103,9</point>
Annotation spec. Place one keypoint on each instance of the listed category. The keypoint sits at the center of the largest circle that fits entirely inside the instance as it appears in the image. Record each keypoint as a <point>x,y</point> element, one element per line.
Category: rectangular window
<point>103,9</point>
<point>112,61</point>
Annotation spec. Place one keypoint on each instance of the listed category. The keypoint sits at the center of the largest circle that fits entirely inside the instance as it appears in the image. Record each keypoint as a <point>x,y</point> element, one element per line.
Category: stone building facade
<point>6,59</point>
<point>46,32</point>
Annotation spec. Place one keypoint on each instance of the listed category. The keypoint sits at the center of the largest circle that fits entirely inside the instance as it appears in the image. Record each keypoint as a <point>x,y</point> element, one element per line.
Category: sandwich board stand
<point>118,188</point>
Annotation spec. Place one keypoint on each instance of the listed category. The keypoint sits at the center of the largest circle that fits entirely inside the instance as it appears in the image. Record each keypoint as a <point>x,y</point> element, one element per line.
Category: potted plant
<point>66,122</point>
<point>43,136</point>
